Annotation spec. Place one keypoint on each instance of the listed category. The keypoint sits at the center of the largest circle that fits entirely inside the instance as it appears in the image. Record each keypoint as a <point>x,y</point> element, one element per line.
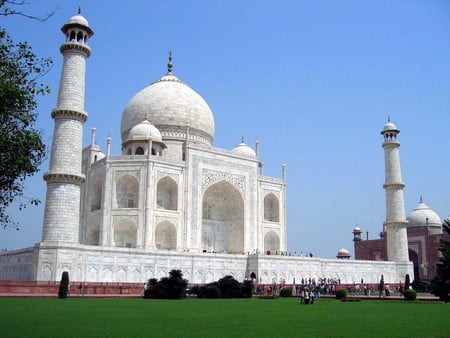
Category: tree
<point>229,287</point>
<point>21,148</point>
<point>381,286</point>
<point>64,285</point>
<point>440,285</point>
<point>11,7</point>
<point>407,282</point>
<point>172,287</point>
<point>446,225</point>
<point>176,284</point>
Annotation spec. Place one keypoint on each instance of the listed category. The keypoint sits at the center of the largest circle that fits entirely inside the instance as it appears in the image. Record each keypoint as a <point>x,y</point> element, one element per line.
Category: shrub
<point>247,289</point>
<point>64,285</point>
<point>341,294</point>
<point>410,294</point>
<point>195,290</point>
<point>150,290</point>
<point>172,287</point>
<point>211,291</point>
<point>286,292</point>
<point>267,296</point>
<point>229,287</point>
<point>421,286</point>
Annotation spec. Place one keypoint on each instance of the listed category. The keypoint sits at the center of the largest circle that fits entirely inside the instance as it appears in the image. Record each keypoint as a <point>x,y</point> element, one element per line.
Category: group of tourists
<point>307,294</point>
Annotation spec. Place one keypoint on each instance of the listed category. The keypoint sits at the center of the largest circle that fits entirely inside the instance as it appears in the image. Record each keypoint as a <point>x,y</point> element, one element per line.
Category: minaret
<point>395,224</point>
<point>64,176</point>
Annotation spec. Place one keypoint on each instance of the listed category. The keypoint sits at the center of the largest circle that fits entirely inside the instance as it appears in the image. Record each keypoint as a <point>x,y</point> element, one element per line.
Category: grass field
<point>284,317</point>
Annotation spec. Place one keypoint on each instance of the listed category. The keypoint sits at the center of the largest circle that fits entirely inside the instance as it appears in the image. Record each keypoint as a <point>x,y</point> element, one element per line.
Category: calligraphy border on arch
<point>172,220</point>
<point>160,174</point>
<point>210,177</point>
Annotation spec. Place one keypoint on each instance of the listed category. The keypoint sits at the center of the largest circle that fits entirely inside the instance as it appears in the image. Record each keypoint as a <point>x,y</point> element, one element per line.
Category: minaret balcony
<point>68,113</point>
<point>391,144</point>
<point>76,46</point>
<point>394,185</point>
<point>64,178</point>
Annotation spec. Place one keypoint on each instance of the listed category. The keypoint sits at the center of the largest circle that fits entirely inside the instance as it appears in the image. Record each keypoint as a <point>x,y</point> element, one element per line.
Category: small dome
<point>144,131</point>
<point>244,150</point>
<point>422,215</point>
<point>389,127</point>
<point>79,19</point>
<point>343,252</point>
<point>357,229</point>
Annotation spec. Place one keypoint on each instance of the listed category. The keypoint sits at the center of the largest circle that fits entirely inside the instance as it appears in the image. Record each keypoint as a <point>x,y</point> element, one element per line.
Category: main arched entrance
<point>223,219</point>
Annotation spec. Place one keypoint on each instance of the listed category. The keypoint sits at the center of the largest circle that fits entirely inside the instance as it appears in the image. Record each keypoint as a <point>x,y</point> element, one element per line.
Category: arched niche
<point>271,242</point>
<point>96,195</point>
<point>127,192</point>
<point>167,194</point>
<point>166,236</point>
<point>271,208</point>
<point>92,236</point>
<point>125,234</point>
<point>414,258</point>
<point>223,219</point>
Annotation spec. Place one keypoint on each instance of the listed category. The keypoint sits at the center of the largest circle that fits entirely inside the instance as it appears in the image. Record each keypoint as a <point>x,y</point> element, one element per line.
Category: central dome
<point>170,105</point>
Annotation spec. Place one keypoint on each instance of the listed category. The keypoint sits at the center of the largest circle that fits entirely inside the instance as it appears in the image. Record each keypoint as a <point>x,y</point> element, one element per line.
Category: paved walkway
<point>52,295</point>
<point>420,296</point>
<point>396,296</point>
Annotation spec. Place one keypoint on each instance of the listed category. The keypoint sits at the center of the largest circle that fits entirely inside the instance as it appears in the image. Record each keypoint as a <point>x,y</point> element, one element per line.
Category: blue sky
<point>314,81</point>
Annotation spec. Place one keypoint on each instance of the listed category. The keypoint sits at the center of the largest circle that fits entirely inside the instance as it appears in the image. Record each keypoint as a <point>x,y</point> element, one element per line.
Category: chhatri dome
<point>171,106</point>
<point>144,131</point>
<point>78,21</point>
<point>242,149</point>
<point>422,215</point>
<point>389,126</point>
<point>343,254</point>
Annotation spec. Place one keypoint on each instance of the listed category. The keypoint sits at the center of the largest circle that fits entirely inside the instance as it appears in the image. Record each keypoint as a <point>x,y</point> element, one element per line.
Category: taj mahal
<point>172,200</point>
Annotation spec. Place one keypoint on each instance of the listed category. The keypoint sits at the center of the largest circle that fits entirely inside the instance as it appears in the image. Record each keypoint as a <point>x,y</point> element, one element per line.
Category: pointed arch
<point>167,194</point>
<point>125,234</point>
<point>271,208</point>
<point>223,219</point>
<point>96,195</point>
<point>271,242</point>
<point>166,236</point>
<point>139,151</point>
<point>127,191</point>
<point>414,258</point>
<point>92,236</point>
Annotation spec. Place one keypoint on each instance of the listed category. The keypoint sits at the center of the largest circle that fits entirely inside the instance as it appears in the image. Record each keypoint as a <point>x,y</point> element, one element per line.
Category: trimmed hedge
<point>64,285</point>
<point>341,294</point>
<point>286,292</point>
<point>410,294</point>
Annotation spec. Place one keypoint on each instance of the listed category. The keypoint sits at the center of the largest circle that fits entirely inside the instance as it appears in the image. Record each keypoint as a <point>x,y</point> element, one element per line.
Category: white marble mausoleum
<point>170,200</point>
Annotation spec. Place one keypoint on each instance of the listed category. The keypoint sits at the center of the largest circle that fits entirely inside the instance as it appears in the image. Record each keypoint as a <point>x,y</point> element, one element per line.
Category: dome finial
<point>421,201</point>
<point>389,119</point>
<point>169,64</point>
<point>79,10</point>
<point>242,139</point>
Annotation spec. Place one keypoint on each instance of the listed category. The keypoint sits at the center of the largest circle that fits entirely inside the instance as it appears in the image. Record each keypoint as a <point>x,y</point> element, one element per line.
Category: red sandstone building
<point>424,231</point>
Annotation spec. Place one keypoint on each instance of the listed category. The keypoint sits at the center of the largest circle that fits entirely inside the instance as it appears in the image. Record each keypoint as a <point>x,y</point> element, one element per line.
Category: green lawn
<point>131,317</point>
